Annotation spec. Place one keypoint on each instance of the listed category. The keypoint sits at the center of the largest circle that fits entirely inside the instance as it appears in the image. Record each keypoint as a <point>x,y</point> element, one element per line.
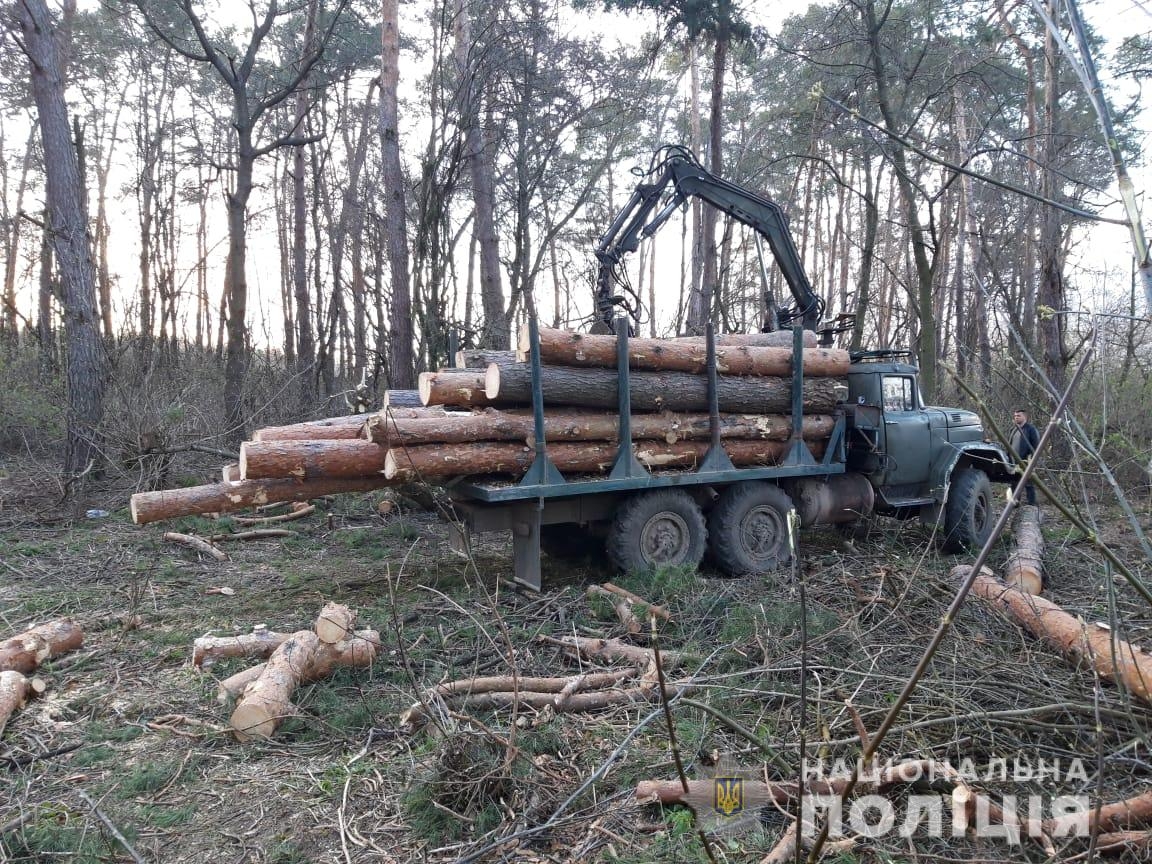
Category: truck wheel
<point>654,529</point>
<point>568,542</point>
<point>968,512</point>
<point>749,529</point>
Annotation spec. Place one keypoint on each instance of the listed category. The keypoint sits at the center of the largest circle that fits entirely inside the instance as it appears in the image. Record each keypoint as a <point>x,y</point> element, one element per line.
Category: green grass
<point>99,731</point>
<point>61,836</point>
<point>169,817</point>
<point>147,778</point>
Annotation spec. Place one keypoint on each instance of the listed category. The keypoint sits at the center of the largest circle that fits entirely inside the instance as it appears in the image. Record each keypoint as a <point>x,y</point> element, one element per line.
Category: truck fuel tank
<point>836,499</point>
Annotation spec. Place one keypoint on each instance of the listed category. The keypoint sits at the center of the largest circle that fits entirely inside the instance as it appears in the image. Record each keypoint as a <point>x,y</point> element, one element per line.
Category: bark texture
<point>437,462</point>
<point>310,460</point>
<point>85,370</point>
<point>577,425</point>
<point>657,391</point>
<point>1025,566</point>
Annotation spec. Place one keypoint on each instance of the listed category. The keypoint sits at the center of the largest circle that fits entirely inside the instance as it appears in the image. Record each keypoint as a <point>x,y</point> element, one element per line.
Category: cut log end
<point>334,623</point>
<point>425,388</point>
<point>492,381</point>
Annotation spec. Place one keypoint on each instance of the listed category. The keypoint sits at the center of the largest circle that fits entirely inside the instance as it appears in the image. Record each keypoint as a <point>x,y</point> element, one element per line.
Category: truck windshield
<point>899,394</point>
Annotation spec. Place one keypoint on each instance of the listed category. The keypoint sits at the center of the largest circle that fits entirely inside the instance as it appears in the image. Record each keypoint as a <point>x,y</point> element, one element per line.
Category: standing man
<point>1025,439</point>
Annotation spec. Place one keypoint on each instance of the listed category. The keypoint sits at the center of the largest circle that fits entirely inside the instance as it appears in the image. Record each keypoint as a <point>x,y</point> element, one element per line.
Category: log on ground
<point>432,462</point>
<point>1112,657</point>
<point>149,507</point>
<point>574,424</point>
<point>25,651</point>
<point>266,701</point>
<point>567,348</point>
<point>1024,568</point>
<point>659,391</point>
<point>359,651</point>
<point>310,460</point>
<point>261,642</point>
<point>15,690</point>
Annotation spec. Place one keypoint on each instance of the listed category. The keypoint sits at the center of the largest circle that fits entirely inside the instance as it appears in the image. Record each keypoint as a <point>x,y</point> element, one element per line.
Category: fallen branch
<point>257,534</point>
<point>110,826</point>
<point>197,543</point>
<point>26,651</point>
<point>535,692</point>
<point>635,600</point>
<point>609,649</point>
<point>298,512</point>
<point>622,605</point>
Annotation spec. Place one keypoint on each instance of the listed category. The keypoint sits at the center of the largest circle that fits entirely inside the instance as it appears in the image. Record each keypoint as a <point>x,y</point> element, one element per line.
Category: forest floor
<point>129,721</point>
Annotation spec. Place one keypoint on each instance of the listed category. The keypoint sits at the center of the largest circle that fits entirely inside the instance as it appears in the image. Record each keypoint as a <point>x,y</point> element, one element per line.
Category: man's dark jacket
<point>1025,440</point>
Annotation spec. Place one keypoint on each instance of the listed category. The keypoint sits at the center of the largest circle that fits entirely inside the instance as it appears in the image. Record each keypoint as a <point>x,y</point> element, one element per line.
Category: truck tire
<point>968,512</point>
<point>748,528</point>
<point>656,529</point>
<point>568,542</point>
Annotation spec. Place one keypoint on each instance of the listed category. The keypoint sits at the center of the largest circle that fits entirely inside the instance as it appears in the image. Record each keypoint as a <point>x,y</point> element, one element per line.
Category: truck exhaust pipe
<point>833,500</point>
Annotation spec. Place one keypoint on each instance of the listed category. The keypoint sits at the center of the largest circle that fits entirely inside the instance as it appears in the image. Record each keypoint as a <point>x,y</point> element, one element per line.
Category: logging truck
<point>886,452</point>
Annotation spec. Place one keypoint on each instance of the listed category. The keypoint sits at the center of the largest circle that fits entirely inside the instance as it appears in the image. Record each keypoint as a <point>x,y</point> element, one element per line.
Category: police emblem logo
<point>728,795</point>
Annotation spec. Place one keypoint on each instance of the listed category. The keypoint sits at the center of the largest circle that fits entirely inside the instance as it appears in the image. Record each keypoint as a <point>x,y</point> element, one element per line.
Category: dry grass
<point>343,783</point>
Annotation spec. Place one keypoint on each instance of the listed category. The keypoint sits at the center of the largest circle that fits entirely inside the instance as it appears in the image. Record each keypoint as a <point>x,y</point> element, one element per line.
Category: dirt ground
<point>128,720</point>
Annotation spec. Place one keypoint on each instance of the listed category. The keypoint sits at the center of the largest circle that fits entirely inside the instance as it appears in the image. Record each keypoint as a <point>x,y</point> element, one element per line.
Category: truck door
<point>907,438</point>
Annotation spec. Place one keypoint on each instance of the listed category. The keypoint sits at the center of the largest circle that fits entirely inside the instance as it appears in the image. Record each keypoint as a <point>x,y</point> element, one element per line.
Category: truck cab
<point>921,460</point>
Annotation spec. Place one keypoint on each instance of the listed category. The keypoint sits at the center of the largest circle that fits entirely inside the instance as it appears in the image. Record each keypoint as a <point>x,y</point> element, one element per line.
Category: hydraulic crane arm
<point>680,171</point>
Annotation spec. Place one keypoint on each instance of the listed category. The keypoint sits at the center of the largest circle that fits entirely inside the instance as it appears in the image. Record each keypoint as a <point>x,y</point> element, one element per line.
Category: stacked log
<point>476,419</point>
<point>488,427</point>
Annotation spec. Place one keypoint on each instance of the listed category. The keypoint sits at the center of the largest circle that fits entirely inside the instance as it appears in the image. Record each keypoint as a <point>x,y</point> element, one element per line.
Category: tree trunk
<point>310,460</point>
<point>924,267</point>
<point>656,391</point>
<point>305,342</point>
<point>433,462</point>
<point>227,497</point>
<point>479,162</point>
<point>576,425</point>
<point>402,366</point>
<point>563,347</point>
<point>1050,297</point>
<point>1112,657</point>
<point>236,282</point>
<point>86,373</point>
<point>1024,568</point>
